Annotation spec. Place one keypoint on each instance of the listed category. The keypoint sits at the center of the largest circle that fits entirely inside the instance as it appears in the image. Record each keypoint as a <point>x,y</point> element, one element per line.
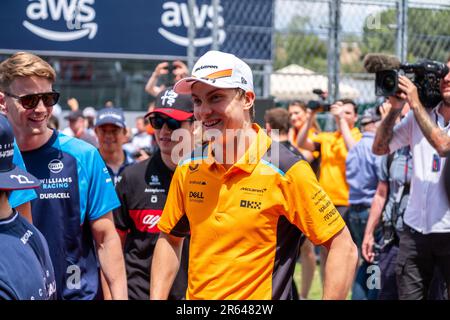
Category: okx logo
<point>251,204</point>
<point>78,17</point>
<point>176,15</point>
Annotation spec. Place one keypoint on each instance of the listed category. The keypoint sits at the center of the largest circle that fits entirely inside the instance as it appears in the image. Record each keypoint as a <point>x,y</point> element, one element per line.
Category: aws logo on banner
<point>177,15</point>
<point>78,15</point>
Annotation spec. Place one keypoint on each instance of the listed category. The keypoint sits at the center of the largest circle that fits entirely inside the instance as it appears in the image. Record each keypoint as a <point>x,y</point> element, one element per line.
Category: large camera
<point>319,105</point>
<point>425,74</point>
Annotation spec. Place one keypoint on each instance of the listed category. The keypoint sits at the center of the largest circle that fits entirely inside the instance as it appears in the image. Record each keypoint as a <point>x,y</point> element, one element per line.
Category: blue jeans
<point>356,221</point>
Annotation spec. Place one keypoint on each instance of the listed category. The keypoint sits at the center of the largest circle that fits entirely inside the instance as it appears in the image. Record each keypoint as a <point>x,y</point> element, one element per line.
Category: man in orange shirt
<point>242,197</point>
<point>333,147</point>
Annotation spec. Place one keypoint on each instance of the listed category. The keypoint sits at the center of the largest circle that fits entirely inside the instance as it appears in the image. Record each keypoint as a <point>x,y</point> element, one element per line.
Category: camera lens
<point>388,83</point>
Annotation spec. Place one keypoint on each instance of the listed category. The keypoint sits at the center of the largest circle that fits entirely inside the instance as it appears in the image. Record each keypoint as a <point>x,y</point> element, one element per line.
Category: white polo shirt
<point>428,209</point>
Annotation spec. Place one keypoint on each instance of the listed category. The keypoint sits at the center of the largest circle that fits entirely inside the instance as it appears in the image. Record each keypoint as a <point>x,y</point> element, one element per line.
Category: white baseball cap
<point>218,69</point>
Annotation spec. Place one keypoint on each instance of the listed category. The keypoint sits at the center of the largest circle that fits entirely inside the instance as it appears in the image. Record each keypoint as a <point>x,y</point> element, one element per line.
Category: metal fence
<point>322,40</point>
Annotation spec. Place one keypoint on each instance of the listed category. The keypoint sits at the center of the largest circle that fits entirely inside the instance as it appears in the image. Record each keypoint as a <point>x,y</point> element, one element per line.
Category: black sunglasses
<point>172,124</point>
<point>30,101</point>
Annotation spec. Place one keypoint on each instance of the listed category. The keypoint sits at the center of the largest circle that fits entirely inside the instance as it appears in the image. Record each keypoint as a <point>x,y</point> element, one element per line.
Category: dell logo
<point>196,195</point>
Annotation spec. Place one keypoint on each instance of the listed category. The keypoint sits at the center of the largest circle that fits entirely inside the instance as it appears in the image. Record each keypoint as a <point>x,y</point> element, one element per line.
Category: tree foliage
<point>299,45</point>
<point>428,34</point>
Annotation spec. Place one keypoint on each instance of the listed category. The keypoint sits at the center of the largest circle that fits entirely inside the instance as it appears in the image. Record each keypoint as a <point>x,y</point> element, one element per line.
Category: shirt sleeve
<point>402,133</point>
<point>101,194</point>
<point>316,137</point>
<point>173,219</point>
<point>6,293</point>
<point>309,206</point>
<point>121,217</point>
<point>378,167</point>
<point>384,170</point>
<point>19,197</point>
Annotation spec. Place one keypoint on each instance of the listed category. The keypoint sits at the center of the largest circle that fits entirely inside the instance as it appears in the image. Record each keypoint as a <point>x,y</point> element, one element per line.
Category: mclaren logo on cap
<point>206,67</point>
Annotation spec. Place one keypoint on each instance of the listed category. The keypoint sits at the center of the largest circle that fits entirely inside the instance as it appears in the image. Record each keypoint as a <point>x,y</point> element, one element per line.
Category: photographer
<point>173,71</point>
<point>425,241</point>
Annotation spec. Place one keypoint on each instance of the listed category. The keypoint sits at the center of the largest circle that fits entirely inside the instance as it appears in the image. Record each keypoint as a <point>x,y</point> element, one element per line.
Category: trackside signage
<point>135,28</point>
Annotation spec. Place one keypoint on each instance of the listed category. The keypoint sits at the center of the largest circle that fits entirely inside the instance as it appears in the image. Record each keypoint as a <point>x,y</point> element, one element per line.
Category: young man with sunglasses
<point>143,190</point>
<point>240,196</point>
<point>76,197</point>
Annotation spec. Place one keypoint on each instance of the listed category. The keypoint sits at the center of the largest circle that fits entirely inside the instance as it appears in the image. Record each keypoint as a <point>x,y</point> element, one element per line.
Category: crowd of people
<point>199,202</point>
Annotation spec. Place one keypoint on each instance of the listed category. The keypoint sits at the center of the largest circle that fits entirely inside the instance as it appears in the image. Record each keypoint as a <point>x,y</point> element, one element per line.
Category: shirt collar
<point>439,118</point>
<point>253,154</point>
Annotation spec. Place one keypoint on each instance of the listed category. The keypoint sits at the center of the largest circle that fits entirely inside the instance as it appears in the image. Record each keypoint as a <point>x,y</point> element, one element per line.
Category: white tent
<point>296,82</point>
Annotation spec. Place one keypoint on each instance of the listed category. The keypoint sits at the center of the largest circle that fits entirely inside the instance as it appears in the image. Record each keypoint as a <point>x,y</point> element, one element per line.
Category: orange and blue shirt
<point>245,222</point>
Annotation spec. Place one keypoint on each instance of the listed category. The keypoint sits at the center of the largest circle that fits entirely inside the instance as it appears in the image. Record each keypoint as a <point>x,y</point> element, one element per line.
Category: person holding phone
<point>165,75</point>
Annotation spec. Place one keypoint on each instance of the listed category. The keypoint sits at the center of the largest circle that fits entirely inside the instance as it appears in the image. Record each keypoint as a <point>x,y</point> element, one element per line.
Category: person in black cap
<point>111,132</point>
<point>143,191</point>
<point>24,251</point>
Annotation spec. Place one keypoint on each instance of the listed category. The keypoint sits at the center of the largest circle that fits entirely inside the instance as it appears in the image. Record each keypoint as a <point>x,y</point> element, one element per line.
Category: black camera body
<point>425,74</point>
<point>169,80</point>
<point>319,105</point>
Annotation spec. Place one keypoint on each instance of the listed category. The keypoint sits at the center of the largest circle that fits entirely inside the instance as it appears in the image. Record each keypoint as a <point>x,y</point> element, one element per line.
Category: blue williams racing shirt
<point>75,189</point>
<point>19,197</point>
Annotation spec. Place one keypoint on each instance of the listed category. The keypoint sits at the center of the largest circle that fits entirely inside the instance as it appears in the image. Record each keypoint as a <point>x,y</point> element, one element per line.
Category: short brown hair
<point>278,118</point>
<point>24,64</point>
<point>297,103</point>
<point>349,101</point>
<point>241,95</point>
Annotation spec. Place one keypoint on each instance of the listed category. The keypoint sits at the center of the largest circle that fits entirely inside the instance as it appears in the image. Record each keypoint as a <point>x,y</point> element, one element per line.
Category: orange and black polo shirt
<point>242,220</point>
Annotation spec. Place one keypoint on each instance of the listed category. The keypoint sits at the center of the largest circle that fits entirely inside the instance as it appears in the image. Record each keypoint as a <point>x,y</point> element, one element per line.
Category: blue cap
<point>112,116</point>
<point>370,115</point>
<point>11,176</point>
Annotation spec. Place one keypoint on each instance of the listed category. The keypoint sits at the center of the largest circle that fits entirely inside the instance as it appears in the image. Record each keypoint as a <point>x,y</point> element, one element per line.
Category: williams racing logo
<point>251,204</point>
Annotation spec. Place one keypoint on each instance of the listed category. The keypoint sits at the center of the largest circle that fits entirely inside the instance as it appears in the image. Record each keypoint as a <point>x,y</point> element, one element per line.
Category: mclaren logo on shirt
<point>202,183</point>
<point>250,204</point>
<point>55,166</point>
<point>250,190</point>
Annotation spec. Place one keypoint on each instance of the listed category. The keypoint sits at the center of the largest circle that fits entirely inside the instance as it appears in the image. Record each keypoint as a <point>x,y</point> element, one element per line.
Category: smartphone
<point>170,77</point>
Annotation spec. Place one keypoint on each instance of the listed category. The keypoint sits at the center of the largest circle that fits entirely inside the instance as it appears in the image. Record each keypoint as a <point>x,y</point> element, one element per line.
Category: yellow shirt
<point>332,166</point>
<point>312,132</point>
<point>241,220</point>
